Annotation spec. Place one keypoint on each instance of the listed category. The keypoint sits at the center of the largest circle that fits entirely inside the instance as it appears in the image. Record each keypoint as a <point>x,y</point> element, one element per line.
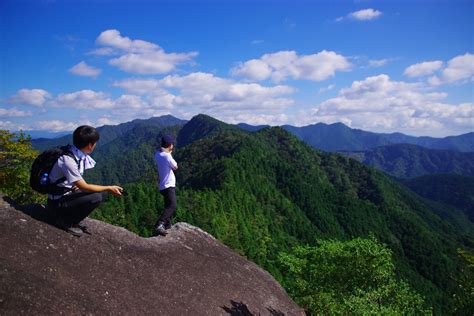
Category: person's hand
<point>116,190</point>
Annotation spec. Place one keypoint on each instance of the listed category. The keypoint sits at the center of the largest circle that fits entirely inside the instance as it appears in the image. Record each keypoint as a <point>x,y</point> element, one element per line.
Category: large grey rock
<point>44,270</point>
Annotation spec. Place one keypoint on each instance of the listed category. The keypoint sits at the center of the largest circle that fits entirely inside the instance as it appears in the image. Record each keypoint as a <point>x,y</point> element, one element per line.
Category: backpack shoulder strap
<point>68,152</point>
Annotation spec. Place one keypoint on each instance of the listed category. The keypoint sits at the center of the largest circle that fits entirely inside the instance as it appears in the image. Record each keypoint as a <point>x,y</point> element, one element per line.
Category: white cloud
<point>106,121</point>
<point>380,104</point>
<point>157,62</point>
<point>365,15</point>
<point>34,97</point>
<point>83,69</point>
<point>378,62</point>
<point>14,112</point>
<point>287,64</point>
<point>204,92</point>
<point>361,15</point>
<point>113,39</point>
<point>55,126</point>
<point>138,56</point>
<point>423,69</point>
<point>459,69</point>
<point>11,126</point>
<point>84,99</point>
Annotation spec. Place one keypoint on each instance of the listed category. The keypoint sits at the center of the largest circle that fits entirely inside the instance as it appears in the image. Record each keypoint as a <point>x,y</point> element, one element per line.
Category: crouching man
<point>79,198</point>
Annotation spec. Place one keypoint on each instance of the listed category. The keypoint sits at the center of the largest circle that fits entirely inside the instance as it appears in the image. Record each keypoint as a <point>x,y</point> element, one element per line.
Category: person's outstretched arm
<point>86,187</point>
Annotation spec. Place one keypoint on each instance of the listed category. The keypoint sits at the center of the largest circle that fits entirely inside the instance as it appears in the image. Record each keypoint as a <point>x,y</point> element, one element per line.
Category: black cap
<point>167,139</point>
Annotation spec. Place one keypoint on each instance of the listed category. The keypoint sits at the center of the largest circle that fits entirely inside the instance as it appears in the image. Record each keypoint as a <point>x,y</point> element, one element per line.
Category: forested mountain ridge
<point>265,192</point>
<point>109,133</point>
<point>449,189</point>
<point>339,137</point>
<point>408,161</point>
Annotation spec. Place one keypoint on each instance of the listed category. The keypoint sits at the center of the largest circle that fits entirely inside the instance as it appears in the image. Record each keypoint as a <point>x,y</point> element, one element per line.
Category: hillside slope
<point>408,161</point>
<point>47,271</point>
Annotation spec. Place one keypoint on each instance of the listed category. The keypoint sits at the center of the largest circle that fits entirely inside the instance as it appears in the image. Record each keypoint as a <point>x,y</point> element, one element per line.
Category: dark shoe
<point>84,229</point>
<point>72,229</point>
<point>168,226</point>
<point>160,230</point>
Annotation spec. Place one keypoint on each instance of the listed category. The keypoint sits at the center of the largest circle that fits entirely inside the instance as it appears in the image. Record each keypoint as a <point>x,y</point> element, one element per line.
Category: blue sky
<point>382,66</point>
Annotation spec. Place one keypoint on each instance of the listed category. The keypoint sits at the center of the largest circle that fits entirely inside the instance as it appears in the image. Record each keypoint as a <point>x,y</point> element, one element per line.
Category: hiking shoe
<point>72,229</point>
<point>160,230</point>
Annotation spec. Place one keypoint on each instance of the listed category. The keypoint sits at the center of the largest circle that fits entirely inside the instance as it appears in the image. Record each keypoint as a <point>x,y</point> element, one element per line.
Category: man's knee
<point>97,198</point>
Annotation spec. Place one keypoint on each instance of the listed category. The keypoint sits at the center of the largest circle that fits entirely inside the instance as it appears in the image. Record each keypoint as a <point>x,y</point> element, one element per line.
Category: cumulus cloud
<point>34,97</point>
<point>381,104</point>
<point>14,112</point>
<point>204,92</point>
<point>287,64</point>
<point>361,15</point>
<point>459,69</point>
<point>423,69</point>
<point>54,126</point>
<point>365,15</point>
<point>138,56</point>
<point>11,126</point>
<point>84,99</point>
<point>83,69</point>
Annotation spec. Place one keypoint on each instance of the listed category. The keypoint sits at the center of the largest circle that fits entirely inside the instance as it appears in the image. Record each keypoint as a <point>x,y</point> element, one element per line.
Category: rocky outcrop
<point>44,270</point>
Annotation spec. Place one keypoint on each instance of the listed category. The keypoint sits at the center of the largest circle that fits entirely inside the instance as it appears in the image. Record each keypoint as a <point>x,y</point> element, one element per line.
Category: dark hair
<point>85,135</point>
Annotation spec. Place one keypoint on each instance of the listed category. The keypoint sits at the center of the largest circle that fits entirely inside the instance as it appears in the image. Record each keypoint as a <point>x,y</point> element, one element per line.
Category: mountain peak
<point>201,126</point>
<point>113,271</point>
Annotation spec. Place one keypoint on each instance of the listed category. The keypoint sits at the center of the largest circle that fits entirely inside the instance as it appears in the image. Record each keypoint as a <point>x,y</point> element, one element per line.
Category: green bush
<point>352,277</point>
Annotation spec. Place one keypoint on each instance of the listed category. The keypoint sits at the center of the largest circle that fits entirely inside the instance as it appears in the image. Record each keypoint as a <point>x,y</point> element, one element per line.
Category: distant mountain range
<point>109,133</point>
<point>328,137</point>
<point>339,137</point>
<point>408,161</point>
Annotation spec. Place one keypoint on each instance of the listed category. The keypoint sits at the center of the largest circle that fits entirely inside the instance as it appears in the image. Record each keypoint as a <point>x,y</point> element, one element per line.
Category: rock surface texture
<point>44,270</point>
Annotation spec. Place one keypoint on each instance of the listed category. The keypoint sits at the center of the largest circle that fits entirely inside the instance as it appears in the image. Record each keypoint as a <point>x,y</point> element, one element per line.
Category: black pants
<point>73,208</point>
<point>169,195</point>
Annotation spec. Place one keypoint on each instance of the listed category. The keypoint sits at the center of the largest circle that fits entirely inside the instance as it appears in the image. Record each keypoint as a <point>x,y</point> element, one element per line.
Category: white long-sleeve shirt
<point>166,164</point>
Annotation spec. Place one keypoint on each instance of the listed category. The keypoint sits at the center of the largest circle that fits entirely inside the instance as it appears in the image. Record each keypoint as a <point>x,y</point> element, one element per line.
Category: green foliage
<point>136,211</point>
<point>16,158</point>
<point>450,189</point>
<point>465,303</point>
<point>352,277</point>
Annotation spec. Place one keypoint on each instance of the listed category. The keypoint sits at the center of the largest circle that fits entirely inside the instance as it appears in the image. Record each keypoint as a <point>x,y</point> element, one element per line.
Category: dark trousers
<point>169,195</point>
<point>73,208</point>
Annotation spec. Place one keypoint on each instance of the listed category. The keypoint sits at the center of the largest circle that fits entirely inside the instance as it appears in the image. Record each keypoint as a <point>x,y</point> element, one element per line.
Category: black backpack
<point>41,169</point>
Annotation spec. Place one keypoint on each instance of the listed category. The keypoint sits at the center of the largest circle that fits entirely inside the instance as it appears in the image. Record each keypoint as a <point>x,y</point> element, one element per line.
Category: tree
<point>16,158</point>
<point>352,277</point>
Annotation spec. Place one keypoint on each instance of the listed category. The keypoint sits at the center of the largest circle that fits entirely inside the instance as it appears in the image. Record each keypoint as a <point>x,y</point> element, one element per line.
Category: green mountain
<point>266,192</point>
<point>449,189</point>
<point>408,161</point>
<point>109,133</point>
<point>339,137</point>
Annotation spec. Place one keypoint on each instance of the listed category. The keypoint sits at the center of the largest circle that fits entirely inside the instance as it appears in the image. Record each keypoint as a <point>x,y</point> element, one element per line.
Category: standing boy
<point>166,167</point>
<point>78,198</point>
